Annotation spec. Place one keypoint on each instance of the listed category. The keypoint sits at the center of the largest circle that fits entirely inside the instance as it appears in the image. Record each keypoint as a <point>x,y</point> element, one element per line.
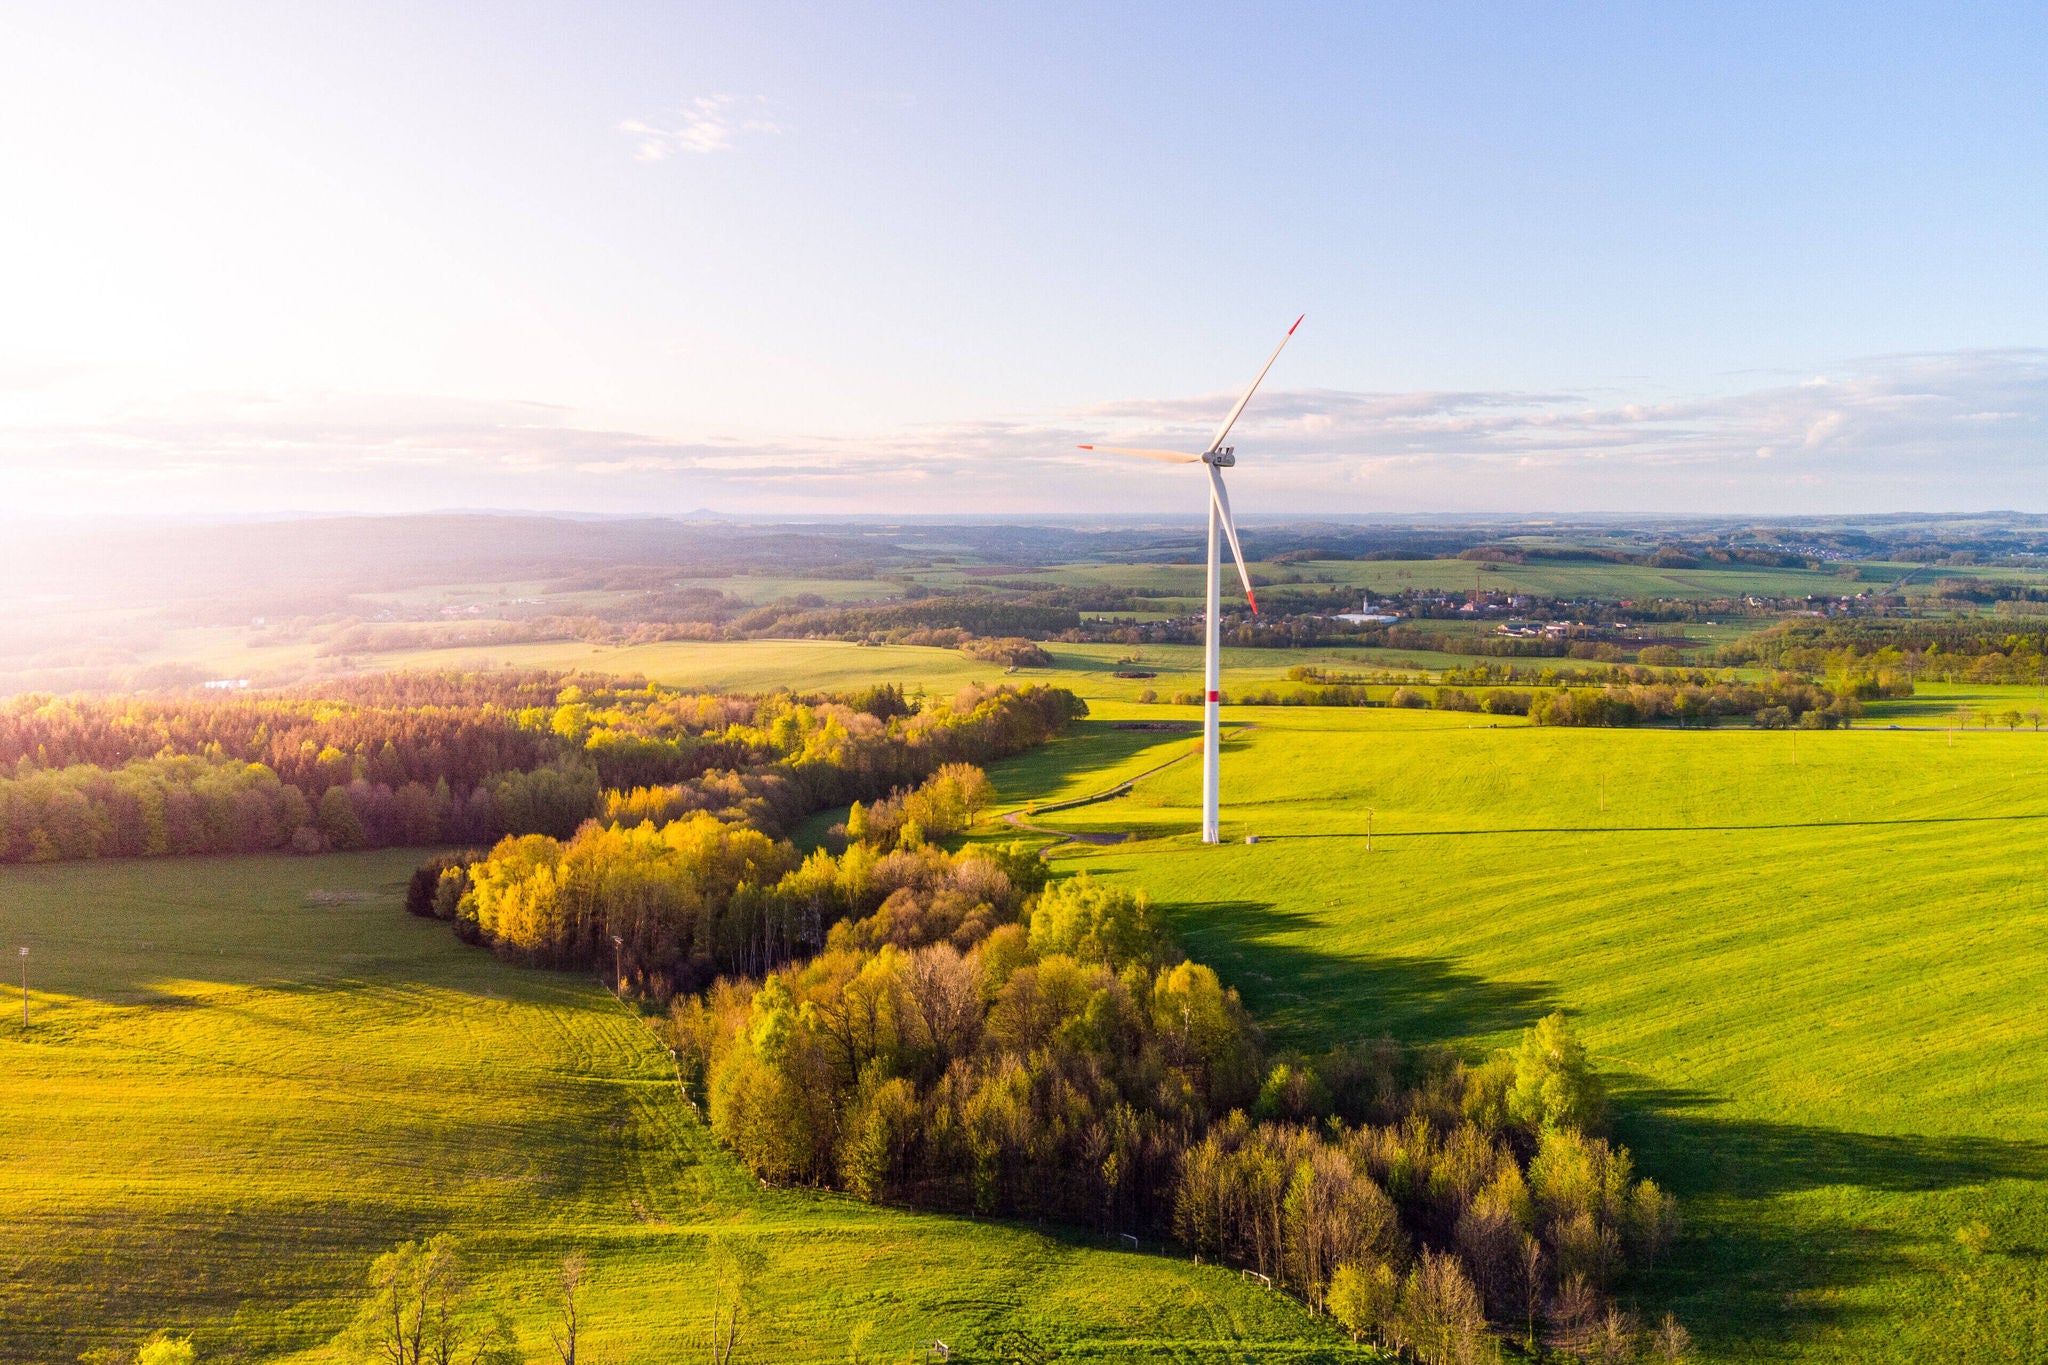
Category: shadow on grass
<point>1310,999</point>
<point>1087,748</point>
<point>1754,1275</point>
<point>1757,1160</point>
<point>1758,1271</point>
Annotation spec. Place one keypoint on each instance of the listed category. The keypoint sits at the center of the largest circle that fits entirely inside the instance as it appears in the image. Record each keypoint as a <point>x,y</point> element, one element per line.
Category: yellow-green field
<point>763,665</point>
<point>245,1077</point>
<point>1814,963</point>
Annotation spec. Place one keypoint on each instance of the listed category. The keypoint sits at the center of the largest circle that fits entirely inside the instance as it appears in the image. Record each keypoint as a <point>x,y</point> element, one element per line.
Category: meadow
<point>244,1078</point>
<point>763,665</point>
<point>1811,963</point>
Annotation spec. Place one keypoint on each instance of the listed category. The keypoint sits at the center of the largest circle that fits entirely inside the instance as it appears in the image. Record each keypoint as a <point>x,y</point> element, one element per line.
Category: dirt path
<point>1018,819</point>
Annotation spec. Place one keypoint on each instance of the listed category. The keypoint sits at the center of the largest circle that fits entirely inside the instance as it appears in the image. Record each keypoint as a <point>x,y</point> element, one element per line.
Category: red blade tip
<point>1253,600</point>
<point>1084,447</point>
<point>1297,323</point>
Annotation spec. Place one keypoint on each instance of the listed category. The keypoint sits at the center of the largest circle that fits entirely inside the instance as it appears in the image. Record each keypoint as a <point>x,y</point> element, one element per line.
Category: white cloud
<point>708,123</point>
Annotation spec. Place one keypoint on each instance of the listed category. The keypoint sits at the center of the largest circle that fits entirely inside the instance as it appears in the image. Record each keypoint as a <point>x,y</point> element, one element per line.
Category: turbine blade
<point>1231,420</point>
<point>1222,500</point>
<point>1166,456</point>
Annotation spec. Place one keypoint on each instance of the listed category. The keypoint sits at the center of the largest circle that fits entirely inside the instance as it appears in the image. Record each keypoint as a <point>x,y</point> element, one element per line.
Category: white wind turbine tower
<point>1217,457</point>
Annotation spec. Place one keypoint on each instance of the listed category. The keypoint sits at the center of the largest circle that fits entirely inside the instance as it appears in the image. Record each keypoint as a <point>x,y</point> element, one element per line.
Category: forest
<point>1959,650</point>
<point>953,1031</point>
<point>452,758</point>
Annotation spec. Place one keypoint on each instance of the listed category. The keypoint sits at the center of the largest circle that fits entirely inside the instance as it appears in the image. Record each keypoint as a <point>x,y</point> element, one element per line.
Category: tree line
<point>407,761</point>
<point>1893,653</point>
<point>1781,702</point>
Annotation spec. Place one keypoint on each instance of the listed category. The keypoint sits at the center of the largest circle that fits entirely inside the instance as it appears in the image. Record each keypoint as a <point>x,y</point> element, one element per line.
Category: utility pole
<point>24,986</point>
<point>619,963</point>
<point>1368,833</point>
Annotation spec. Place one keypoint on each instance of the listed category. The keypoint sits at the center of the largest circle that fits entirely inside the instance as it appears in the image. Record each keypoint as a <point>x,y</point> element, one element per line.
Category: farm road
<point>1017,820</point>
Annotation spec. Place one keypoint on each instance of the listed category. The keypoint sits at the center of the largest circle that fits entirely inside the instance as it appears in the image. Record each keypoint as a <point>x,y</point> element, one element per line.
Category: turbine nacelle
<point>1225,458</point>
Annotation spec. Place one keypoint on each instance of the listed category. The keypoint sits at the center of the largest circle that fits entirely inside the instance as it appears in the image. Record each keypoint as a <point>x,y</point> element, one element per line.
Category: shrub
<point>422,1311</point>
<point>164,1349</point>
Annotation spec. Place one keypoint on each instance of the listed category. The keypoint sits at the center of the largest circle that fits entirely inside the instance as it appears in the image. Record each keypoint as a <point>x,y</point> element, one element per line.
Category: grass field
<point>762,665</point>
<point>244,1078</point>
<point>1813,963</point>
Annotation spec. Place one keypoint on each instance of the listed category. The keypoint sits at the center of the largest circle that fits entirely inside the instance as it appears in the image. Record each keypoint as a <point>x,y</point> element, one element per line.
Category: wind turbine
<point>1217,457</point>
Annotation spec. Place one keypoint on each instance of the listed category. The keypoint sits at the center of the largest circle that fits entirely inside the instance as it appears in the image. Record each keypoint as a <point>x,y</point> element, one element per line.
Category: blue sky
<point>869,259</point>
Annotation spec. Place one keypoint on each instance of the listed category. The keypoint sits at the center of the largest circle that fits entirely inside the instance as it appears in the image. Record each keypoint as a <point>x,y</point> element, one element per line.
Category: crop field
<point>1812,963</point>
<point>244,1078</point>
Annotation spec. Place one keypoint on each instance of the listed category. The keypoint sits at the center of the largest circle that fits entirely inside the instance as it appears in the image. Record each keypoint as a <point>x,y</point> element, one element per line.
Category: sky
<point>890,259</point>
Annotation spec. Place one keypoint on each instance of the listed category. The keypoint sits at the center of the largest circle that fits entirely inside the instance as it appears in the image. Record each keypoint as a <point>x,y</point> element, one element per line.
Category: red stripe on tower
<point>1215,696</point>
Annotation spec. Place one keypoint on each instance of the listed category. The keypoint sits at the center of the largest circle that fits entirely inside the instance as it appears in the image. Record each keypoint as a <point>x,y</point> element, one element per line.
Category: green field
<point>1813,964</point>
<point>763,665</point>
<point>244,1078</point>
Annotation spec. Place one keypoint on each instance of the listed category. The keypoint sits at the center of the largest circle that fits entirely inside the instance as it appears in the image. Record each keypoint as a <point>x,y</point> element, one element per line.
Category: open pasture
<point>246,1077</point>
<point>1812,963</point>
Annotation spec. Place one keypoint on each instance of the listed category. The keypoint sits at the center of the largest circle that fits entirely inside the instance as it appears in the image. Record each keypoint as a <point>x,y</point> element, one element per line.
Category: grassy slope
<point>233,1096</point>
<point>1817,978</point>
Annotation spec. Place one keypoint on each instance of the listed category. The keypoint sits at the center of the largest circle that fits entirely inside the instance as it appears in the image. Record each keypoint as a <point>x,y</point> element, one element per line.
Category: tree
<point>568,1328</point>
<point>977,793</point>
<point>1555,1086</point>
<point>734,1267</point>
<point>1671,1343</point>
<point>1441,1316</point>
<point>1091,922</point>
<point>1363,1298</point>
<point>1613,1340</point>
<point>421,1311</point>
<point>1530,1285</point>
<point>338,821</point>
